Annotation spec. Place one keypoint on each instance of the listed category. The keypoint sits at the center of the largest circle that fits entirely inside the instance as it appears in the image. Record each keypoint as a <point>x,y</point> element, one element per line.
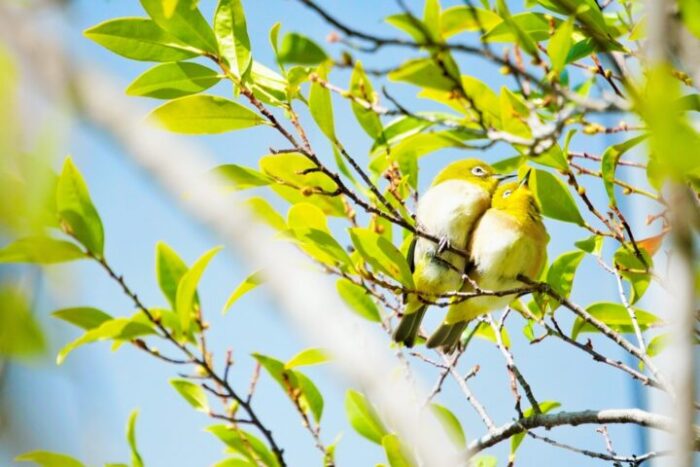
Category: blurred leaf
<point>299,49</point>
<point>187,288</point>
<point>241,177</point>
<point>690,14</point>
<point>235,462</point>
<point>451,424</point>
<point>485,331</point>
<point>169,270</point>
<point>561,274</point>
<point>309,227</point>
<point>123,329</point>
<point>20,335</point>
<point>545,407</point>
<point>245,444</point>
<point>172,80</point>
<point>634,271</point>
<point>293,168</point>
<point>358,300</point>
<point>407,24</point>
<point>560,45</point>
<point>592,244</point>
<point>139,39</point>
<point>49,459</point>
<point>615,316</point>
<point>422,72</point>
<point>77,214</point>
<point>432,12</point>
<point>311,398</point>
<point>84,317</point>
<point>321,105</point>
<point>232,34</point>
<point>397,453</point>
<point>185,22</point>
<point>136,460</point>
<point>536,25</point>
<point>483,461</point>
<point>651,244</point>
<point>269,86</point>
<point>554,197</point>
<point>266,213</point>
<point>248,284</point>
<point>658,344</point>
<point>193,393</point>
<point>382,255</point>
<point>363,417</point>
<point>312,356</point>
<point>611,157</point>
<point>462,18</point>
<point>204,114</point>
<point>41,250</point>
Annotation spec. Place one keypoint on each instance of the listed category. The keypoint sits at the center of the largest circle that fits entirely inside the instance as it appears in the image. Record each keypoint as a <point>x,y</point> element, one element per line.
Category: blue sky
<point>81,407</point>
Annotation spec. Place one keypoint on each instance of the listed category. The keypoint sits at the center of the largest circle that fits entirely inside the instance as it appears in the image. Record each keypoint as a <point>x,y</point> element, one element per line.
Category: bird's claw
<point>443,245</point>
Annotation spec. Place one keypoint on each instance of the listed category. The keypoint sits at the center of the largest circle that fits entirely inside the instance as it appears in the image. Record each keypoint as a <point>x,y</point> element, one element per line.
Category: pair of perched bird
<point>500,229</point>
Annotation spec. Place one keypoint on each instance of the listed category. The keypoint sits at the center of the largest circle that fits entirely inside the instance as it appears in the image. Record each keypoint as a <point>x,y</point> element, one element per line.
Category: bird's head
<point>473,171</point>
<point>517,199</point>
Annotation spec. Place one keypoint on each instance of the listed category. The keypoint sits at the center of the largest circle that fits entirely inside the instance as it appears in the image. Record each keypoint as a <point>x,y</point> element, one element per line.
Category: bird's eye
<point>478,171</point>
<point>507,193</point>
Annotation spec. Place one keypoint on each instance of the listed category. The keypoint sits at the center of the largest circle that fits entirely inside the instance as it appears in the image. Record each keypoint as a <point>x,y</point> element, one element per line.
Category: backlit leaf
<point>397,453</point>
<point>554,197</point>
<point>192,392</point>
<point>185,22</point>
<point>84,317</point>
<point>49,459</point>
<point>187,288</point>
<point>321,105</point>
<point>615,316</point>
<point>299,49</point>
<point>232,33</point>
<point>307,357</point>
<point>172,80</point>
<point>40,250</point>
<point>358,300</point>
<point>169,270</point>
<point>363,417</point>
<point>451,424</point>
<point>248,284</point>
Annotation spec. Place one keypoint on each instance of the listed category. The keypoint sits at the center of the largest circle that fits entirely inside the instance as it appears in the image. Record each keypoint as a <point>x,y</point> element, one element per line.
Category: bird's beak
<point>526,179</point>
<point>502,177</point>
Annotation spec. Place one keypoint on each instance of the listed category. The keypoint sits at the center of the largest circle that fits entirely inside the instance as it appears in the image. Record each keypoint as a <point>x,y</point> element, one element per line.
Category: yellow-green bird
<point>448,210</point>
<point>509,240</point>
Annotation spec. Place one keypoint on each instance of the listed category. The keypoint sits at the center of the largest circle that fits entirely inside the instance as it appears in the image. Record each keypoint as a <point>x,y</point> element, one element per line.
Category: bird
<point>509,241</point>
<point>459,194</point>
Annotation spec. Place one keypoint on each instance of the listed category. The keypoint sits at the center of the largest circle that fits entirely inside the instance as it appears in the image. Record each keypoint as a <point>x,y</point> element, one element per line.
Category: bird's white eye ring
<point>478,171</point>
<point>507,193</point>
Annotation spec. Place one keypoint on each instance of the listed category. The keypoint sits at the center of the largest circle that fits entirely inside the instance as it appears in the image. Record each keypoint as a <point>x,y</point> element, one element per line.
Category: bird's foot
<point>443,245</point>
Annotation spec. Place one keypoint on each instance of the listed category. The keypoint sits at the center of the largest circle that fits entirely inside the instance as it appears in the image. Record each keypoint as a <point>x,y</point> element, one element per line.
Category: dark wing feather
<point>410,254</point>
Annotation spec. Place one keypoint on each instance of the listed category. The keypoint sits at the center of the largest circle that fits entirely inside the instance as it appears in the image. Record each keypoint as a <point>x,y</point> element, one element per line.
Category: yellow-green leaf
<point>232,33</point>
<point>173,80</point>
<point>248,284</point>
<point>193,393</point>
<point>187,288</point>
<point>363,417</point>
<point>185,22</point>
<point>40,250</point>
<point>358,300</point>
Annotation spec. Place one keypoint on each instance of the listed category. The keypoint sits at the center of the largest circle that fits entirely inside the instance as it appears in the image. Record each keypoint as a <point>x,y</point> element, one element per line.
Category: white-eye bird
<point>448,210</point>
<point>508,241</point>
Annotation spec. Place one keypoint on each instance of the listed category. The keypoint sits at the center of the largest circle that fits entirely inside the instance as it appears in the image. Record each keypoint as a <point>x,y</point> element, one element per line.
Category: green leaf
<point>169,270</point>
<point>554,197</point>
<point>422,72</point>
<point>397,453</point>
<point>382,255</point>
<point>690,14</point>
<point>611,157</point>
<point>49,459</point>
<point>361,87</point>
<point>172,80</point>
<point>407,23</point>
<point>269,86</point>
<point>40,250</point>
<point>358,300</point>
<point>184,21</point>
<point>484,461</point>
<point>193,393</point>
<point>634,271</point>
<point>245,444</point>
<point>299,49</point>
<point>77,214</point>
<point>658,344</point>
<point>560,44</point>
<point>136,460</point>
<point>232,33</point>
<point>615,316</point>
<point>562,272</point>
<point>592,244</point>
<point>235,462</point>
<point>451,424</point>
<point>485,331</point>
<point>241,177</point>
<point>187,288</point>
<point>293,168</point>
<point>140,39</point>
<point>295,384</point>
<point>266,213</point>
<point>432,12</point>
<point>84,317</point>
<point>205,114</point>
<point>462,18</point>
<point>321,105</point>
<point>309,227</point>
<point>248,284</point>
<point>363,417</point>
<point>20,335</point>
<point>307,357</point>
<point>545,407</point>
<point>118,329</point>
<point>534,24</point>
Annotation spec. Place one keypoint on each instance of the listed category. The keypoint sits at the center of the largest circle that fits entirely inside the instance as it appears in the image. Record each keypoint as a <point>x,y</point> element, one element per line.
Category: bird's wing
<point>411,253</point>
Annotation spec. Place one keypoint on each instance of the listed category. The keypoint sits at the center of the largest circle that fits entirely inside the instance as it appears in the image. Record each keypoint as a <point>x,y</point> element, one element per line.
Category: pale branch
<point>469,395</point>
<point>595,417</point>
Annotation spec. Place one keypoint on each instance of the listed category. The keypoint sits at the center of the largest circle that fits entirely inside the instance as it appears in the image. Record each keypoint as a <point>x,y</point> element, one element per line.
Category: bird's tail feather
<point>447,336</point>
<point>407,330</point>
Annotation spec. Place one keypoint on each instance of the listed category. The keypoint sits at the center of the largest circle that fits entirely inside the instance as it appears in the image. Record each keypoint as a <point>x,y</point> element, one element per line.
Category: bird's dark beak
<point>526,179</point>
<point>502,177</point>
